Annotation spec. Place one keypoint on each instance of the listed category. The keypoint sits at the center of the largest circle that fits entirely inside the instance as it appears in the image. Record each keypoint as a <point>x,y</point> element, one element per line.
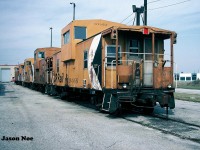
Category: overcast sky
<point>24,24</point>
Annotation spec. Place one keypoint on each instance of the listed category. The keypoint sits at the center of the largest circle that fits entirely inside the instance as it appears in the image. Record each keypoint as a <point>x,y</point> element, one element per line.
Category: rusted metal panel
<point>124,73</point>
<point>157,75</point>
<point>58,74</point>
<point>111,79</point>
<point>21,72</point>
<point>17,73</point>
<point>162,77</point>
<point>167,77</point>
<point>28,70</point>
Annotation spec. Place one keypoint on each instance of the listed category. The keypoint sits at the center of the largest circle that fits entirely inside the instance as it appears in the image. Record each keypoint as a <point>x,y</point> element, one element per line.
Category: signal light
<point>114,34</point>
<point>174,38</point>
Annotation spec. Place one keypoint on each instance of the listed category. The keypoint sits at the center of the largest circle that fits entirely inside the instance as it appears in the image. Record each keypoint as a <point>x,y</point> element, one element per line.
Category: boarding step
<point>106,102</point>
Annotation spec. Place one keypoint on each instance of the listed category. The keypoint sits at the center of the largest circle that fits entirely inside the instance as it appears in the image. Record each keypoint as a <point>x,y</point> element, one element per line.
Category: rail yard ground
<point>38,121</point>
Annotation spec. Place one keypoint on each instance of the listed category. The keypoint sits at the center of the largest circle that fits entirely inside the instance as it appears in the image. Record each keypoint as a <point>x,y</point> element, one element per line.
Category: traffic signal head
<point>174,38</point>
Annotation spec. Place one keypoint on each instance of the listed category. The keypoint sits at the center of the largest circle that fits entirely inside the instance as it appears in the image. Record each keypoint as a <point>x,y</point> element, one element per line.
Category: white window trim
<point>113,56</point>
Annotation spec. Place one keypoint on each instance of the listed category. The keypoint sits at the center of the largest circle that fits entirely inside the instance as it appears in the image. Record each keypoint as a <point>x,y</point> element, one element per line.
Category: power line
<point>126,18</point>
<point>158,7</point>
<point>153,1</point>
<point>132,20</point>
<point>170,5</point>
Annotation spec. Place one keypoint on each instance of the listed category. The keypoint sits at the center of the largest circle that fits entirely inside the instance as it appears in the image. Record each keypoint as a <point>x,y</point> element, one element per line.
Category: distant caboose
<point>28,72</point>
<point>40,67</point>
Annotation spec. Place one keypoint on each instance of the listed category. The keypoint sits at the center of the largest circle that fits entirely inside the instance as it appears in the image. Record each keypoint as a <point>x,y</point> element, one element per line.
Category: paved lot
<point>189,91</point>
<point>56,124</point>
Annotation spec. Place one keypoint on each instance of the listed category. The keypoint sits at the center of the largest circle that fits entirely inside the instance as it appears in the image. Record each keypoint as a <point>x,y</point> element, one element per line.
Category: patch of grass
<point>189,84</point>
<point>187,97</point>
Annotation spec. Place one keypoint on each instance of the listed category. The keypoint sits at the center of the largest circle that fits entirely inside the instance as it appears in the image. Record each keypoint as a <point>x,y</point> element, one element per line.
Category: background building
<point>187,76</point>
<point>7,73</point>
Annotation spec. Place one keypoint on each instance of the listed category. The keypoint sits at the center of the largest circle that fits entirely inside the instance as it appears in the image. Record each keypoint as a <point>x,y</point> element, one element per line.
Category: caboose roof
<point>29,59</point>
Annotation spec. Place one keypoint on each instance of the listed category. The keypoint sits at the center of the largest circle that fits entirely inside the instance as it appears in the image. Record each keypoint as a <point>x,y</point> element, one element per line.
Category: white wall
<point>12,71</point>
<point>198,76</point>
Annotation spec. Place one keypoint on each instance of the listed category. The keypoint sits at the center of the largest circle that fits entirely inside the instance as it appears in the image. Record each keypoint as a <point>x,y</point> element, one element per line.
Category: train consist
<point>113,65</point>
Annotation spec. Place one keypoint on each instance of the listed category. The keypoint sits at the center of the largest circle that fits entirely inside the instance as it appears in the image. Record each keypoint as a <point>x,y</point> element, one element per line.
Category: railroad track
<point>167,125</point>
<point>165,117</point>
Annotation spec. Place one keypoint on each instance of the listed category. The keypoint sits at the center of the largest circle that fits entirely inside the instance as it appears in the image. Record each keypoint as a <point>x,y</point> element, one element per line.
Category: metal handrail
<point>112,63</point>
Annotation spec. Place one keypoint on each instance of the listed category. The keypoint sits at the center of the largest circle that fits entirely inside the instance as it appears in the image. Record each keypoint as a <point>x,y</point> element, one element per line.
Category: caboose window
<point>35,56</point>
<point>133,47</point>
<point>28,63</point>
<point>85,59</point>
<point>79,32</point>
<point>66,37</point>
<point>57,65</point>
<point>111,55</point>
<point>41,55</point>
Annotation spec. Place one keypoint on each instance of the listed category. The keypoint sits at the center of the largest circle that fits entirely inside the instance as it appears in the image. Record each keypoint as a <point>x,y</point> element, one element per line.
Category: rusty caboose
<point>19,74</point>
<point>40,72</point>
<point>115,65</point>
<point>28,72</point>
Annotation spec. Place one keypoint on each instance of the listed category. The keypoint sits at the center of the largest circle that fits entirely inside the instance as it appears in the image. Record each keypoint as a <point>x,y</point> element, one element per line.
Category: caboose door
<point>148,63</point>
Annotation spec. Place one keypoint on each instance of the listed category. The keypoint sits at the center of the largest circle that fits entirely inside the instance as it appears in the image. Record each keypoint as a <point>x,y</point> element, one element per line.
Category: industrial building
<point>7,73</point>
<point>187,76</point>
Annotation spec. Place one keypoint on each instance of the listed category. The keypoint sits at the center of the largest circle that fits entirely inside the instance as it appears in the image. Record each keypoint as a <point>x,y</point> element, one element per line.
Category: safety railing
<point>141,56</point>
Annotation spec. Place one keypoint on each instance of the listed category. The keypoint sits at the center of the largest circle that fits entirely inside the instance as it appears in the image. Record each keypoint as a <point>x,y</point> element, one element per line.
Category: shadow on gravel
<point>84,102</point>
<point>77,100</point>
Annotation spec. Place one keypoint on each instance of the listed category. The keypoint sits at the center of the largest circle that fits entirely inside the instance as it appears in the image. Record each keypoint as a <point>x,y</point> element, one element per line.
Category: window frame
<point>85,60</point>
<point>66,37</point>
<point>75,31</point>
<point>43,54</point>
<point>133,48</point>
<point>106,55</point>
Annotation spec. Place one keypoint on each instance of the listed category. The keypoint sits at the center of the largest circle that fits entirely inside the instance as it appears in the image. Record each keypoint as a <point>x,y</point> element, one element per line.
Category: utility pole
<point>51,35</point>
<point>145,12</point>
<point>74,5</point>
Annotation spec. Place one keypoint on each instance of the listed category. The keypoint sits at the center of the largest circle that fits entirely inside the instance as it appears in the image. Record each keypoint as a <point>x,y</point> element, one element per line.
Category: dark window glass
<point>41,55</point>
<point>133,47</point>
<point>111,55</point>
<point>57,65</point>
<point>35,56</point>
<point>28,63</point>
<point>66,37</point>
<point>79,32</point>
<point>182,78</point>
<point>133,43</point>
<point>194,76</point>
<point>85,59</point>
<point>188,78</point>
